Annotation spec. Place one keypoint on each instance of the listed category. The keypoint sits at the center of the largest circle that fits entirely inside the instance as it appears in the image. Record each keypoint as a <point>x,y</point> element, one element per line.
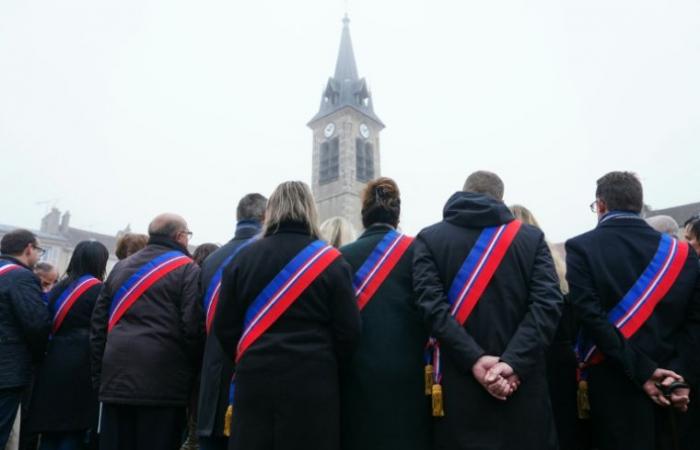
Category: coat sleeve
<point>539,325</point>
<point>192,315</point>
<point>687,359</point>
<point>98,332</point>
<point>594,322</point>
<point>31,312</point>
<point>435,309</point>
<point>345,313</point>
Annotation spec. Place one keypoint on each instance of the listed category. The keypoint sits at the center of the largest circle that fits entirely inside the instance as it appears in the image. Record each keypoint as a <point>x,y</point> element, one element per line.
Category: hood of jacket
<point>471,210</point>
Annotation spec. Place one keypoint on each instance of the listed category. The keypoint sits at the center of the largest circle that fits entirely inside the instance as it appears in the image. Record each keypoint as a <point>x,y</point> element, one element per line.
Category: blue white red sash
<point>143,279</point>
<point>68,297</point>
<point>473,278</point>
<point>283,291</point>
<point>639,302</point>
<point>370,276</point>
<point>211,297</point>
<point>7,267</point>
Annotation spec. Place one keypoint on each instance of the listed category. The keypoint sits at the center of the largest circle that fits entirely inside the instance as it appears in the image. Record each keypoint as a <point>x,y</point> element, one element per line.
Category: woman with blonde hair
<point>337,231</point>
<point>287,315</point>
<point>561,358</point>
<point>383,389</point>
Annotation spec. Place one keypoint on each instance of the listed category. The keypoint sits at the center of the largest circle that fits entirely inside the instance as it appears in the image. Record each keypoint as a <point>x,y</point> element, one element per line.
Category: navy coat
<point>217,366</point>
<point>24,325</point>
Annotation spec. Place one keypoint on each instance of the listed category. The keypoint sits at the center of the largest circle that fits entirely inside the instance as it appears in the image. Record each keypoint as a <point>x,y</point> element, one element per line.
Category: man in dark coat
<point>506,335</point>
<point>24,322</point>
<point>627,410</point>
<point>146,364</point>
<point>217,366</point>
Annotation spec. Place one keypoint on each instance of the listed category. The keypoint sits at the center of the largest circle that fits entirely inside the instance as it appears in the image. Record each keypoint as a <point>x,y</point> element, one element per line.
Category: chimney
<point>65,222</point>
<point>50,222</point>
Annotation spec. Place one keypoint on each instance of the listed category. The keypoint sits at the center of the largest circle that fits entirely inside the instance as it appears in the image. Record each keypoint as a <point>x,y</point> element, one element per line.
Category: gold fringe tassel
<point>228,418</point>
<point>428,375</point>
<point>582,403</point>
<point>438,410</point>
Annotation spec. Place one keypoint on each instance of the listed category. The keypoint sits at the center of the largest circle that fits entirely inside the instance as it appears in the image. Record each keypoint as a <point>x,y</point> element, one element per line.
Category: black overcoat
<point>515,319</point>
<point>287,382</point>
<point>151,356</point>
<point>217,366</point>
<point>383,403</point>
<point>24,325</point>
<point>63,398</point>
<point>602,265</point>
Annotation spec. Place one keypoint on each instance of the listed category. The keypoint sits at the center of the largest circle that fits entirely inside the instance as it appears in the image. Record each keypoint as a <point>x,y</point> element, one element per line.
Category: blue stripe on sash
<point>625,309</point>
<point>58,304</point>
<point>470,265</point>
<point>377,254</point>
<point>136,277</point>
<point>216,279</point>
<point>289,271</point>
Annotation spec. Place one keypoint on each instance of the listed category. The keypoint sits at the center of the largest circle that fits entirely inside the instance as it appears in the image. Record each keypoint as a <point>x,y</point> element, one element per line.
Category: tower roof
<point>345,88</point>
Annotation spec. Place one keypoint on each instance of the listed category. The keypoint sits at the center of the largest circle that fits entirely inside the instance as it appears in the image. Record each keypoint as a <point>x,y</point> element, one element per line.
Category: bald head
<point>168,225</point>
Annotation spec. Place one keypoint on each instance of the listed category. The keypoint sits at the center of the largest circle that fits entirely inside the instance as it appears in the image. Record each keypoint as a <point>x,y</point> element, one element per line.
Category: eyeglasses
<point>594,206</point>
<point>188,233</point>
<point>39,250</point>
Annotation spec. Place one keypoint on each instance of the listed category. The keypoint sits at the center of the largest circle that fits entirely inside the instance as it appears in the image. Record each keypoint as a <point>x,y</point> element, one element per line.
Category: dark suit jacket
<point>217,366</point>
<point>602,265</point>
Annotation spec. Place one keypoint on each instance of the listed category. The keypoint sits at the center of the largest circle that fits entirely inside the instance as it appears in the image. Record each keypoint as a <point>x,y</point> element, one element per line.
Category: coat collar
<point>14,260</point>
<point>167,242</point>
<point>246,229</point>
<point>376,229</point>
<point>622,219</point>
<point>290,227</point>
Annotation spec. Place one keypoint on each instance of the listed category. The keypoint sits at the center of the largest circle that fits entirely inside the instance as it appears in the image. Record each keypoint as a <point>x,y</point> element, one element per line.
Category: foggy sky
<point>118,111</point>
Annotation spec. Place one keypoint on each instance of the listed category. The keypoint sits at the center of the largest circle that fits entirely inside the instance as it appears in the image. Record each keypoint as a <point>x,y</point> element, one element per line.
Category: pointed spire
<point>346,68</point>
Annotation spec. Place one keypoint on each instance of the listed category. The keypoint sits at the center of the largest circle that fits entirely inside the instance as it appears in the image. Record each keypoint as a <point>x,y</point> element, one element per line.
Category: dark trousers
<point>127,427</point>
<point>9,403</point>
<point>622,416</point>
<point>70,440</point>
<point>213,443</point>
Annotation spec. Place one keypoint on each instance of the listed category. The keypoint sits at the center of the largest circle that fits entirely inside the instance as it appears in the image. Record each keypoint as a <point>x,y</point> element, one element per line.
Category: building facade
<point>345,146</point>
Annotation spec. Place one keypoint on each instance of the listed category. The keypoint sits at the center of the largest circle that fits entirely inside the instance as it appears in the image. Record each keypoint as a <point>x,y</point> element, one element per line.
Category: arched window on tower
<point>364,157</point>
<point>330,161</point>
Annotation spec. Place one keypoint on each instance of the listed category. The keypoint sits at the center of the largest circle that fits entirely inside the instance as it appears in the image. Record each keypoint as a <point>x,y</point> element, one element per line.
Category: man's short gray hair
<point>251,207</point>
<point>485,182</point>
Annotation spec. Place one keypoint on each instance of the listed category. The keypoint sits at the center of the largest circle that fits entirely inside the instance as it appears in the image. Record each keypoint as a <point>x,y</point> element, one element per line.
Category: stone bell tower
<point>345,139</point>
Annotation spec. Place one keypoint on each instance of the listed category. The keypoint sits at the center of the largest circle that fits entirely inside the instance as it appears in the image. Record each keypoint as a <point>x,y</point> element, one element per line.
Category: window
<point>364,157</point>
<point>330,161</point>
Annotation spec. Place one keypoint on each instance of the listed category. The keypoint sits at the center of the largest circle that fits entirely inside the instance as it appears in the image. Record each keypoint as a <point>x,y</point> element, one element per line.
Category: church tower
<point>345,139</point>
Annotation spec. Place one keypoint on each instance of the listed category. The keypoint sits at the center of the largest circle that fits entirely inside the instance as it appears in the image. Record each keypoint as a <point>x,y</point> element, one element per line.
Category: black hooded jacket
<point>516,318</point>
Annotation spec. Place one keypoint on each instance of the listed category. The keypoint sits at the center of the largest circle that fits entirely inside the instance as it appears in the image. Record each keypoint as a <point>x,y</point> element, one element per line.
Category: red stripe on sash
<point>143,287</point>
<point>383,272</point>
<point>487,272</point>
<point>642,315</point>
<point>70,301</point>
<point>284,302</point>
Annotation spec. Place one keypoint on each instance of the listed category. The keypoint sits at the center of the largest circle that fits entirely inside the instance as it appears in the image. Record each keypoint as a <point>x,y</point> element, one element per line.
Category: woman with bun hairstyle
<point>383,401</point>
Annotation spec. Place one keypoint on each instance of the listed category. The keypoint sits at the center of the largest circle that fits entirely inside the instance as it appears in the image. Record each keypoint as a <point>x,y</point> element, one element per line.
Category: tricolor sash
<point>68,297</point>
<point>139,282</point>
<point>465,292</point>
<point>211,297</point>
<point>378,266</point>
<point>283,291</point>
<point>639,302</point>
<point>276,298</point>
<point>7,267</point>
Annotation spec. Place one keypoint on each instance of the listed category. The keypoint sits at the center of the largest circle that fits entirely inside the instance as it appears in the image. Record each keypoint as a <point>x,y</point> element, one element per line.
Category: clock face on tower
<point>329,130</point>
<point>364,130</point>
